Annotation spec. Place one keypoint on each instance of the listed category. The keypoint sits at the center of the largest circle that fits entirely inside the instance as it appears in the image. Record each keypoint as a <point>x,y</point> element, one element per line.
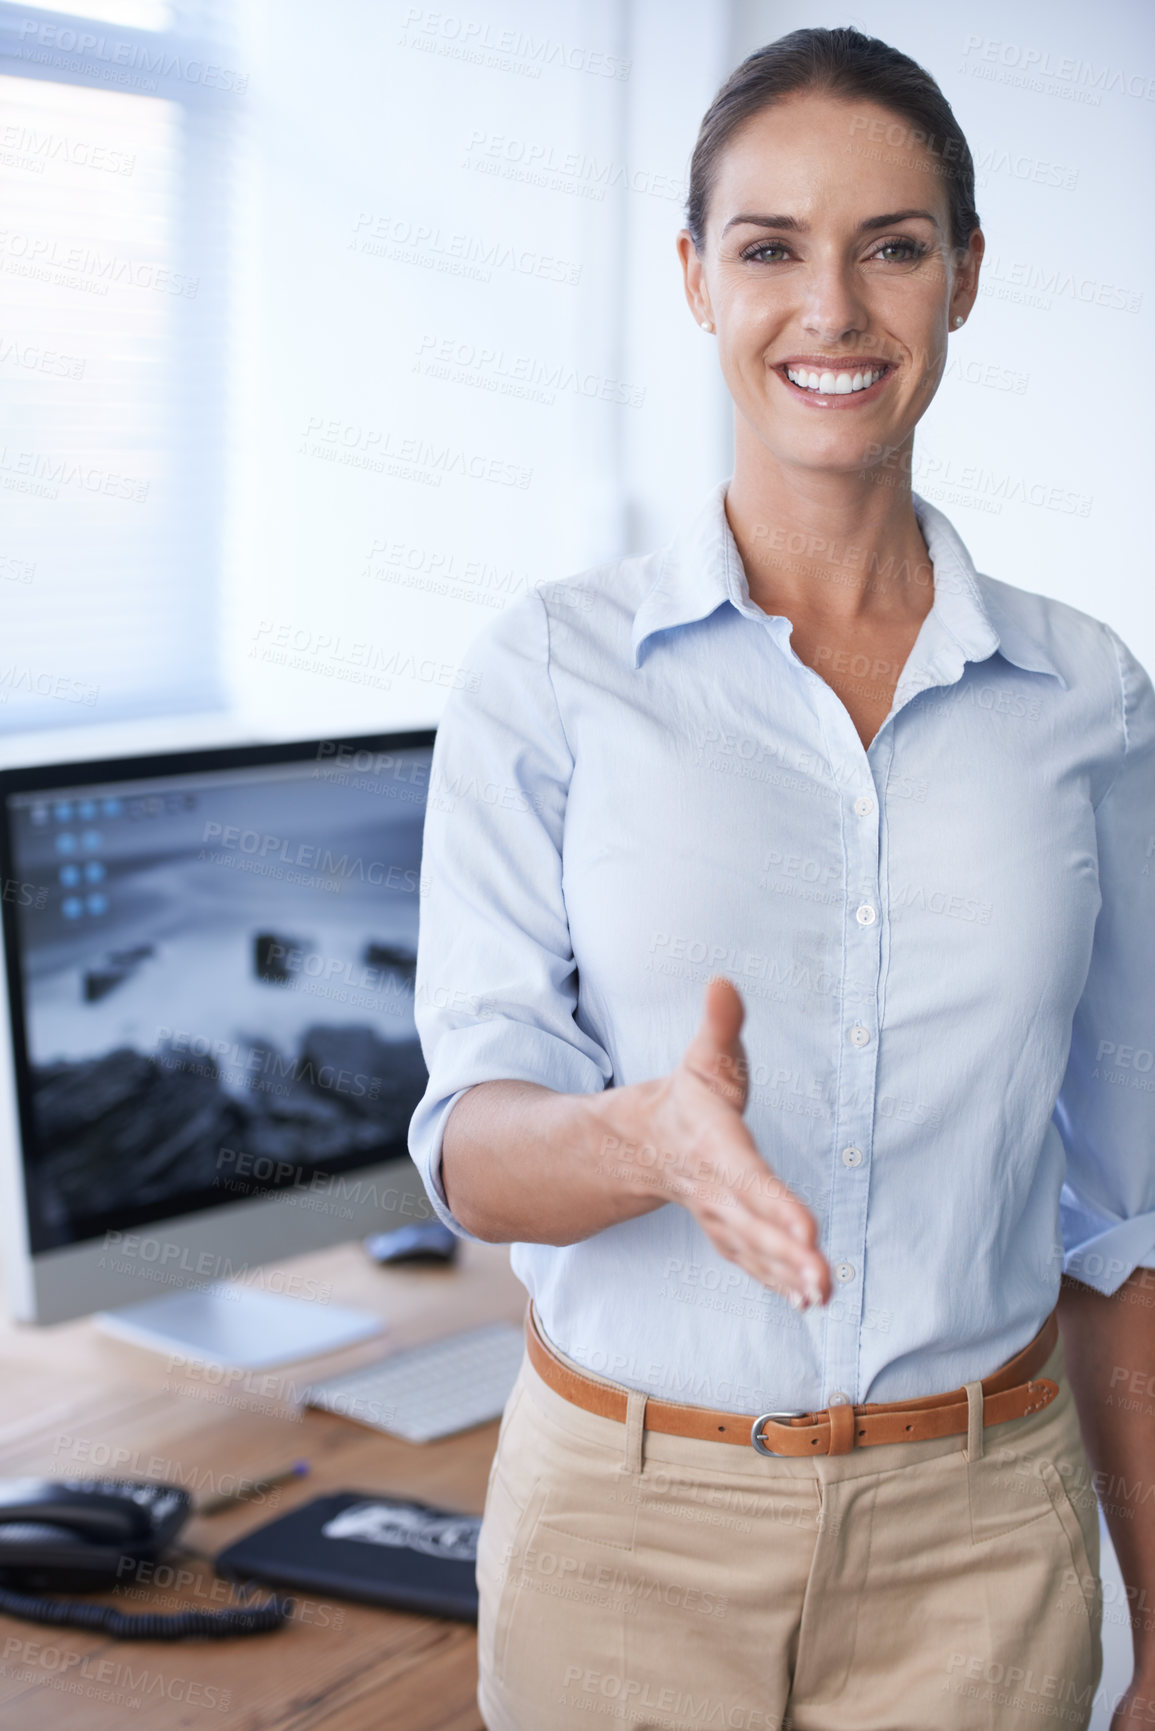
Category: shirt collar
<point>701,568</point>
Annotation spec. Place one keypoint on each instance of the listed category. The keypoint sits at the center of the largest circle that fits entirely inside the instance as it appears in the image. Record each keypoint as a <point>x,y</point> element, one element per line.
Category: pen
<point>248,1493</point>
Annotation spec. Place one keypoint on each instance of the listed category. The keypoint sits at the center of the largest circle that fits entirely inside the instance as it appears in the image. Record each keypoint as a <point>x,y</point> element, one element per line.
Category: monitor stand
<point>237,1326</point>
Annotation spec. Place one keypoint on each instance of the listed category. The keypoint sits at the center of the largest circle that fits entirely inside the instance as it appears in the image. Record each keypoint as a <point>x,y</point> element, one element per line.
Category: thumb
<point>716,1052</point>
<point>724,1012</point>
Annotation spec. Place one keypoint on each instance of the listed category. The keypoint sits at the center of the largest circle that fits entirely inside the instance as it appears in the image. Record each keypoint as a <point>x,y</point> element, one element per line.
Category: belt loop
<point>974,1448</point>
<point>635,1431</point>
<point>842,1438</point>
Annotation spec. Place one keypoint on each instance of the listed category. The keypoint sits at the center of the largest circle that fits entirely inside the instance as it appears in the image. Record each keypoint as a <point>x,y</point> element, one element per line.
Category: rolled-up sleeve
<point>1105,1111</point>
<point>496,982</point>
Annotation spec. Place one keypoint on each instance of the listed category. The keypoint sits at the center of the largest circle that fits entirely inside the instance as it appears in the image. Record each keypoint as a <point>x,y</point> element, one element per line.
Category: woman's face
<point>828,251</point>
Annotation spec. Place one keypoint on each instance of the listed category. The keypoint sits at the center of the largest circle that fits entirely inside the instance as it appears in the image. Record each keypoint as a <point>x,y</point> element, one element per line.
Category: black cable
<point>146,1625</point>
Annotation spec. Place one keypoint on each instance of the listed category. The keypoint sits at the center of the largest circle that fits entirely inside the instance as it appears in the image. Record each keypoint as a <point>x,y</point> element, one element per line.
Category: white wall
<point>378,154</point>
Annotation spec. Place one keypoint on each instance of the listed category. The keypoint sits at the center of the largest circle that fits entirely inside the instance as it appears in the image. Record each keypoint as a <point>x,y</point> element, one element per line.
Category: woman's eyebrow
<point>897,216</point>
<point>794,225</point>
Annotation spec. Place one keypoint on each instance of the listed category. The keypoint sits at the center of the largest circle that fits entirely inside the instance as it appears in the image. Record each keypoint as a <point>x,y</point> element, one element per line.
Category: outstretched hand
<point>708,1161</point>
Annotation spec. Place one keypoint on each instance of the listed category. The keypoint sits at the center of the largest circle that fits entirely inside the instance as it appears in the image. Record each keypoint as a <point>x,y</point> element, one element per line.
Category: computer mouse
<point>419,1241</point>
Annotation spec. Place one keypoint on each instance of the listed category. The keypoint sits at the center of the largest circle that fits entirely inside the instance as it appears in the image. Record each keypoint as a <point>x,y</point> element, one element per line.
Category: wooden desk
<point>74,1403</point>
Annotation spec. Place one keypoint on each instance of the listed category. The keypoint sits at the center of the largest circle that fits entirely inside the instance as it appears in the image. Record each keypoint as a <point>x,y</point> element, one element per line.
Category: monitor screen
<point>211,968</point>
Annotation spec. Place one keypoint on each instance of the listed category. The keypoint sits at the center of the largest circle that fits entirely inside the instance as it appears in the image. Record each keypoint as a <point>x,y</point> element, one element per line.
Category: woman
<point>786,923</point>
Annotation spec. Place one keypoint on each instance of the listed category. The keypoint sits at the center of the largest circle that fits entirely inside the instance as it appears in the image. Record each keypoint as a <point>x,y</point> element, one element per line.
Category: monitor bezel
<point>88,772</point>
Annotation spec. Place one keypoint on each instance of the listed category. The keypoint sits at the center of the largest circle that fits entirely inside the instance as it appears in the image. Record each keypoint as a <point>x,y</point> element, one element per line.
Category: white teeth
<point>833,384</point>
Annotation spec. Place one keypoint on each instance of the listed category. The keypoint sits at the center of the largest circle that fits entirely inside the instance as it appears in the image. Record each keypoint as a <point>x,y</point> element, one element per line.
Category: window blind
<point>114,216</point>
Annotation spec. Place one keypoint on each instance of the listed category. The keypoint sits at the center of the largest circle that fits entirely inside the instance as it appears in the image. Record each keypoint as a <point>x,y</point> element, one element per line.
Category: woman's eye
<point>763,248</point>
<point>900,251</point>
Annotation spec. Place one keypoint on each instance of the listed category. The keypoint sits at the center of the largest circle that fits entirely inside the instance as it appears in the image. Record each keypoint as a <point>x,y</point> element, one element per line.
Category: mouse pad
<point>360,1545</point>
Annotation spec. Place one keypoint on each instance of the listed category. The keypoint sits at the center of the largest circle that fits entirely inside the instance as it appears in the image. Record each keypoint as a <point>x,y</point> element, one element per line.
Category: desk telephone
<point>79,1535</point>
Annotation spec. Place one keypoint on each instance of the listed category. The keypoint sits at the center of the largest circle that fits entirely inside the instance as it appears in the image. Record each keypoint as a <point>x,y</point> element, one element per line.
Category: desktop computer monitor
<point>212,1058</point>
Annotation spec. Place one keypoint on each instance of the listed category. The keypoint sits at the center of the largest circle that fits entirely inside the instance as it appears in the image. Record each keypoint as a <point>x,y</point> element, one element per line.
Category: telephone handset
<point>74,1534</point>
<point>77,1535</point>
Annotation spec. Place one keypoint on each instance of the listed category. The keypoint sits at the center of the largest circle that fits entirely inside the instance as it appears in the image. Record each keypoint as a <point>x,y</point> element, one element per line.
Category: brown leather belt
<point>1012,1391</point>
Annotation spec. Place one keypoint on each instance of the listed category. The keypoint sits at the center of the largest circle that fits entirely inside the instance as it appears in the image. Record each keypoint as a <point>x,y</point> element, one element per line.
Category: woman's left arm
<point>1105,1114</point>
<point>1109,1347</point>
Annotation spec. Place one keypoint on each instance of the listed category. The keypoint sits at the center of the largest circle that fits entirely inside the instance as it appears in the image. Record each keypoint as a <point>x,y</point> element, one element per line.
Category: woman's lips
<point>836,399</point>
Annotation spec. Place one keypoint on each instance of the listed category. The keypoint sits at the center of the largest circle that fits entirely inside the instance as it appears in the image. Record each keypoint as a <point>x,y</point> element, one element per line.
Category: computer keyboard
<point>431,1390</point>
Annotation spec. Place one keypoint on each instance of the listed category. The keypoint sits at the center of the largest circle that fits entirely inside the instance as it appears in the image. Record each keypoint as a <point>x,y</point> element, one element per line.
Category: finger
<point>738,1174</point>
<point>764,1248</point>
<point>729,1188</point>
<point>773,1200</point>
<point>716,1053</point>
<point>724,1215</point>
<point>773,1273</point>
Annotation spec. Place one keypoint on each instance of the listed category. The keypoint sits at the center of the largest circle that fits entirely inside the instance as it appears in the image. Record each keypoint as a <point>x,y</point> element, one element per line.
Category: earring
<point>958,320</point>
<point>706,325</point>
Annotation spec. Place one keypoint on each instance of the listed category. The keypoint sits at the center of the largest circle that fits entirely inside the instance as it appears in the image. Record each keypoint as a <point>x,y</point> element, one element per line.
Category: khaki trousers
<point>664,1584</point>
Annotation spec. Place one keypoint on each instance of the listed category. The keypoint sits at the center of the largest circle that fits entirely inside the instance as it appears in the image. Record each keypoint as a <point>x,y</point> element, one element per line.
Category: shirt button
<point>838,1397</point>
<point>863,806</point>
<point>852,1156</point>
<point>866,915</point>
<point>845,1271</point>
<point>859,1036</point>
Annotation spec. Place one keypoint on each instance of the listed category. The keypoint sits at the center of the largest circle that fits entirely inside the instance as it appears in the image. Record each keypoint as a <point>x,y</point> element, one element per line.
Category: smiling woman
<point>812,818</point>
<point>832,242</point>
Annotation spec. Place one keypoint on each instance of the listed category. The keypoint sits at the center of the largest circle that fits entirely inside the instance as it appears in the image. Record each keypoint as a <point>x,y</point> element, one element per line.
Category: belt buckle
<point>764,1447</point>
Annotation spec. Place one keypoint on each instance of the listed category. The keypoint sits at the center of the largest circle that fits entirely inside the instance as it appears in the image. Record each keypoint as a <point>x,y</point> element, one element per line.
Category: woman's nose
<point>833,309</point>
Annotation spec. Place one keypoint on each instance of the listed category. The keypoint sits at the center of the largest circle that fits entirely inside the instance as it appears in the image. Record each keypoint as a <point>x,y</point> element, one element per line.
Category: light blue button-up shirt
<point>945,945</point>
